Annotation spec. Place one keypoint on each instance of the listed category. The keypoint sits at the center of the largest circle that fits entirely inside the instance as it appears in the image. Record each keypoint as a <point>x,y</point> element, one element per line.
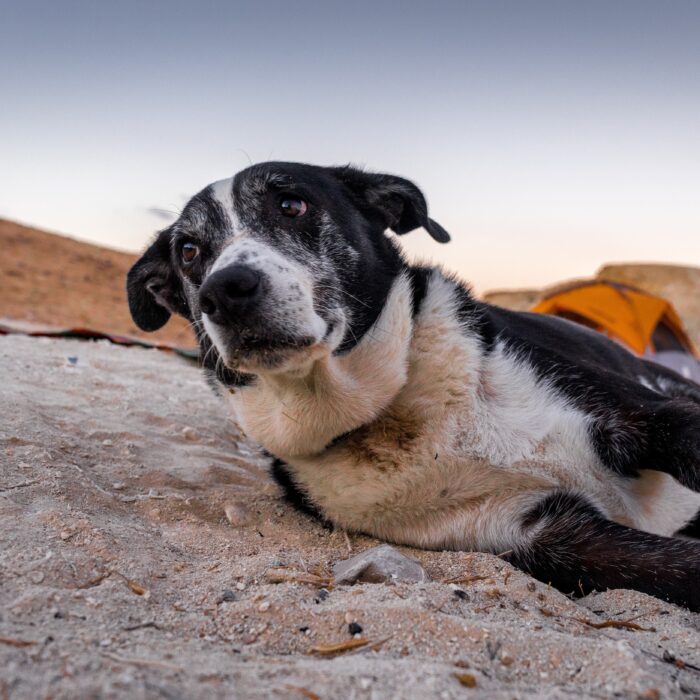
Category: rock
<point>227,596</point>
<point>190,434</point>
<point>237,514</point>
<point>378,565</point>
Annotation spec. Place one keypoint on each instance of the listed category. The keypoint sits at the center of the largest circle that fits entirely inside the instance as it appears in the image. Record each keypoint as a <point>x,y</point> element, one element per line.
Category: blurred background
<point>550,138</point>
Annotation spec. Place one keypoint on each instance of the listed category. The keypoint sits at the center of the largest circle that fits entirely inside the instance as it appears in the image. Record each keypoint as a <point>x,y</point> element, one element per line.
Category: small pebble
<point>322,595</point>
<point>237,514</point>
<point>264,606</point>
<point>190,434</point>
<point>240,586</point>
<point>118,485</point>
<point>468,680</point>
<point>354,628</point>
<point>227,596</point>
<point>107,443</point>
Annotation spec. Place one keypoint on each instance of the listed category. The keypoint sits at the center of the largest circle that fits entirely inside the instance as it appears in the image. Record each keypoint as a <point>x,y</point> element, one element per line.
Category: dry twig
<point>288,576</point>
<point>465,579</point>
<point>20,643</point>
<point>616,624</point>
<point>303,691</point>
<point>144,663</point>
<point>339,647</point>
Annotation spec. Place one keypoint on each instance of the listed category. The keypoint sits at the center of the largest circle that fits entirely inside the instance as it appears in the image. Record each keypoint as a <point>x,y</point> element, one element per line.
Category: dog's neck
<point>300,416</point>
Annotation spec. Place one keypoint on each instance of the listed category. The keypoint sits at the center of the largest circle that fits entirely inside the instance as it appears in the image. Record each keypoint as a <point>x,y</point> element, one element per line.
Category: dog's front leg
<point>576,549</point>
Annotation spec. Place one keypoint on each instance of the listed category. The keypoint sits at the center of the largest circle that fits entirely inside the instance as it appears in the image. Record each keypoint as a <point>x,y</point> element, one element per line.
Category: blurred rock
<point>378,565</point>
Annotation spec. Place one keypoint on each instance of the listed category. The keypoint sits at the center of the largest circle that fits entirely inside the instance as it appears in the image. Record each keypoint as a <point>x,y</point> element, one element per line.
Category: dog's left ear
<point>154,288</point>
<point>401,204</point>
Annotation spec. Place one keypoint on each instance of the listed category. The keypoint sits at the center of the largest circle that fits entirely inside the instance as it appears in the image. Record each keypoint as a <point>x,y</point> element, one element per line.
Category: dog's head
<point>281,264</point>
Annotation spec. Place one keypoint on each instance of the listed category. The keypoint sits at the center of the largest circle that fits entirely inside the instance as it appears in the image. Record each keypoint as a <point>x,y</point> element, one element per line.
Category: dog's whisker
<point>342,291</point>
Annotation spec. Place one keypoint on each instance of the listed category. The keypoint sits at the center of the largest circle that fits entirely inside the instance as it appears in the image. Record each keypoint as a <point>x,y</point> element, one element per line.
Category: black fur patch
<point>692,529</point>
<point>577,550</point>
<point>291,492</point>
<point>153,287</point>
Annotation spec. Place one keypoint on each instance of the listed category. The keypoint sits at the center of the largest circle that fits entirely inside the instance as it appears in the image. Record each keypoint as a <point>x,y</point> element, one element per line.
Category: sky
<point>548,137</point>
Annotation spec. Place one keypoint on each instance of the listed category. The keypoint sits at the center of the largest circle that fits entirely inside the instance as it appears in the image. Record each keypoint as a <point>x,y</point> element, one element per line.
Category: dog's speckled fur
<point>399,406</point>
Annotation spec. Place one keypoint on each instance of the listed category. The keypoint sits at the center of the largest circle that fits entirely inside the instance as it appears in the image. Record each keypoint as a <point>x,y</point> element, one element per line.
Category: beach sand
<point>121,575</point>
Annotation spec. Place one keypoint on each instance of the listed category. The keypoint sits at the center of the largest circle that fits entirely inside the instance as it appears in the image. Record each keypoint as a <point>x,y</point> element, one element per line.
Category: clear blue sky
<point>549,137</point>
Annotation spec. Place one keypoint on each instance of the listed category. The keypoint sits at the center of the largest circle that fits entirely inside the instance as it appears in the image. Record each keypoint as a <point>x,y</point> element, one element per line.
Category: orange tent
<point>643,322</point>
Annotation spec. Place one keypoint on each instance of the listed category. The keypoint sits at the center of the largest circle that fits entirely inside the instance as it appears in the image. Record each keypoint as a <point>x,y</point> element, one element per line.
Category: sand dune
<point>53,280</point>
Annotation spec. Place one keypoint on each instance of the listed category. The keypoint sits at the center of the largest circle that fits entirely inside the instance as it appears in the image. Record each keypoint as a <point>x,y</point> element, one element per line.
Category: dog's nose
<point>227,291</point>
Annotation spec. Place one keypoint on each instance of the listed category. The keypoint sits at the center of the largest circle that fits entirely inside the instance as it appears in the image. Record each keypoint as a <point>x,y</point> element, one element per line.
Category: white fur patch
<point>222,192</point>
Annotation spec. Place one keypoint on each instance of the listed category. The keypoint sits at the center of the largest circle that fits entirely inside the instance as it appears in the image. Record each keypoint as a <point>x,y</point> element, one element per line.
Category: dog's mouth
<point>256,352</point>
<point>265,351</point>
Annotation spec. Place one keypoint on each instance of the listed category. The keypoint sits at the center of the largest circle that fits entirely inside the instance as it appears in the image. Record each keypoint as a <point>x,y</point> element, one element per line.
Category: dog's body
<point>402,407</point>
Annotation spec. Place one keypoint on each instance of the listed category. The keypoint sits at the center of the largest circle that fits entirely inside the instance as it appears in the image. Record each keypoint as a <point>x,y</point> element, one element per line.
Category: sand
<point>48,279</point>
<point>122,577</point>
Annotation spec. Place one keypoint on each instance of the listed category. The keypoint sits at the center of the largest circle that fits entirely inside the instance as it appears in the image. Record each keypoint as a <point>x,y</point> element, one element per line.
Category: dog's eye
<point>189,252</point>
<point>293,207</point>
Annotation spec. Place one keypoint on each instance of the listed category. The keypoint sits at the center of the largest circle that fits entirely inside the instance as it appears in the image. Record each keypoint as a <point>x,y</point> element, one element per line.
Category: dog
<point>398,405</point>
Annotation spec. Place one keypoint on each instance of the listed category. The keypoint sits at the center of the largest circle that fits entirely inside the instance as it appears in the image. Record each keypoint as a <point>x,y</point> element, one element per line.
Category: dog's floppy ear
<point>154,288</point>
<point>398,200</point>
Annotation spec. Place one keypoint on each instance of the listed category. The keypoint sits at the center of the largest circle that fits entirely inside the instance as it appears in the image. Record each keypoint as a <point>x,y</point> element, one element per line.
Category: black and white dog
<point>400,406</point>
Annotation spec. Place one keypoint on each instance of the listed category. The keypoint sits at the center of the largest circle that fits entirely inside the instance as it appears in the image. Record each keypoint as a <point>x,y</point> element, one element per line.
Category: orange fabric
<point>624,314</point>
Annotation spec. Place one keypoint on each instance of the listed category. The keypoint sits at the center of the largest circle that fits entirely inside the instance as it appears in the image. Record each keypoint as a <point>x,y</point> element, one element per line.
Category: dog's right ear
<point>154,288</point>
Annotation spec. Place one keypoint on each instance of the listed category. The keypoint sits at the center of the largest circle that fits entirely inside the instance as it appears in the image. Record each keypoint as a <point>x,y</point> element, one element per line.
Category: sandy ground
<point>122,577</point>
